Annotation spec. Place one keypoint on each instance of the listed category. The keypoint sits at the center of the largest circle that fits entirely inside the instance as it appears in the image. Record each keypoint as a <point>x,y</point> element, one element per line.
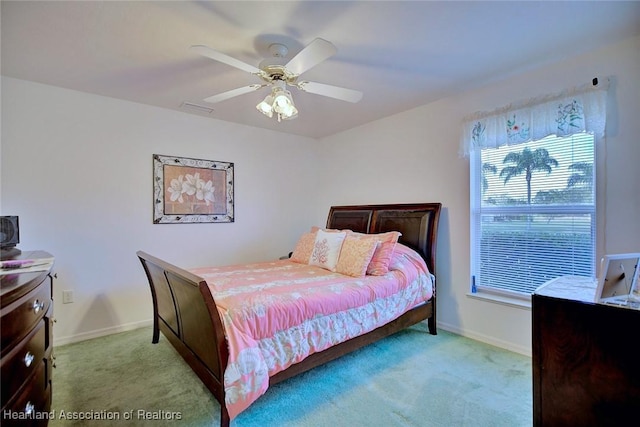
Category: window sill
<point>501,299</point>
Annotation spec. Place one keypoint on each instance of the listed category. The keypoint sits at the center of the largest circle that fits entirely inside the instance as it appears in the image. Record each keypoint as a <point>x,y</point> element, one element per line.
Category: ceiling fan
<point>277,73</point>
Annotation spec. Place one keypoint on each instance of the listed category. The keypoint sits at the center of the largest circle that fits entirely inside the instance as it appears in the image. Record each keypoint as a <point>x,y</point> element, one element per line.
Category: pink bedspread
<point>277,313</point>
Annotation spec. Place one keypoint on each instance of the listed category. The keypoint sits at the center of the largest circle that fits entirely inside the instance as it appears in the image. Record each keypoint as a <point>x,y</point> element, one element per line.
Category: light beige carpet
<point>409,379</point>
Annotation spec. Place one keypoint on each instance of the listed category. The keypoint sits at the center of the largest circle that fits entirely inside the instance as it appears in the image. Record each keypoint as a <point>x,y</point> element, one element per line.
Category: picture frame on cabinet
<point>618,279</point>
<point>188,190</point>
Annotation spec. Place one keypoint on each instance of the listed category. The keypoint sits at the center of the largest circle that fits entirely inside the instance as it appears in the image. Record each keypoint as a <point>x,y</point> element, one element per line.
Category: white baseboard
<point>99,332</point>
<point>526,351</point>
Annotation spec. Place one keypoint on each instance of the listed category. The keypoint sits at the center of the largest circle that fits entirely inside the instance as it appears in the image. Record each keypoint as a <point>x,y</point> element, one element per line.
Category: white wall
<point>413,157</point>
<point>77,169</point>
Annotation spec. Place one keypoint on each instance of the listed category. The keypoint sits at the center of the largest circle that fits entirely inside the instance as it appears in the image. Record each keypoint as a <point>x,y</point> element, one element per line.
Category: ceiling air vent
<point>195,108</point>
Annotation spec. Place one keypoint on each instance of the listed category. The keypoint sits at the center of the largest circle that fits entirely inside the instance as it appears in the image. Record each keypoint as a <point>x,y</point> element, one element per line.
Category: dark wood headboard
<point>418,223</point>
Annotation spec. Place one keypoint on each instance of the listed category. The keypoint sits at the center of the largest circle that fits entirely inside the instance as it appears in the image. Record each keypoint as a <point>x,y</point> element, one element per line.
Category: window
<point>533,198</point>
<point>533,213</point>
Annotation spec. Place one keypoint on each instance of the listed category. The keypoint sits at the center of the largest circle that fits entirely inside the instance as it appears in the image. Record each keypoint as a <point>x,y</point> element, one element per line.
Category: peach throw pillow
<point>379,264</point>
<point>303,249</point>
<point>355,256</point>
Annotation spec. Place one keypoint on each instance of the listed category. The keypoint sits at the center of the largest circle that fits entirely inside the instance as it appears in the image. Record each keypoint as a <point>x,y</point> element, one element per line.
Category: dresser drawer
<point>31,407</point>
<point>21,316</point>
<point>18,366</point>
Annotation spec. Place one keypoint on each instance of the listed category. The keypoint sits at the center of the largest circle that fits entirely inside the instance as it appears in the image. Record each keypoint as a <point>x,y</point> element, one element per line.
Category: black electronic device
<point>9,235</point>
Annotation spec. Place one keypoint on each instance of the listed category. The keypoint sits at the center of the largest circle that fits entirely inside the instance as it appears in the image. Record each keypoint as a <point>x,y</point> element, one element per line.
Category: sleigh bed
<point>198,311</point>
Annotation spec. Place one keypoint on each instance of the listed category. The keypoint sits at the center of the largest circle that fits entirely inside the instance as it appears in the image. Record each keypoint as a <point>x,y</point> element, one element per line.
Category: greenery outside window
<point>533,198</point>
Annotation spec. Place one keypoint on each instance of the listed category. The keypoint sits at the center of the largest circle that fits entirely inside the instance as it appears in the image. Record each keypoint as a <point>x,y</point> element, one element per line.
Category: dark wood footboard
<point>185,311</point>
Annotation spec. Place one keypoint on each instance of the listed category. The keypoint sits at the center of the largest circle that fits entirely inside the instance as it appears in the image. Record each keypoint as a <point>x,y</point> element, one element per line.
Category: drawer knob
<point>37,306</point>
<point>28,359</point>
<point>29,408</point>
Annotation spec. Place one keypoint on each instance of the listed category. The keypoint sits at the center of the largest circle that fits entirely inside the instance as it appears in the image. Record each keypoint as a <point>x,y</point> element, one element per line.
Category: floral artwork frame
<point>187,191</point>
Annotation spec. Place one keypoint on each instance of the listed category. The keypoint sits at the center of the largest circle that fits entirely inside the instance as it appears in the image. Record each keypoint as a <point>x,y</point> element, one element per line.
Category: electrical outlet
<point>67,296</point>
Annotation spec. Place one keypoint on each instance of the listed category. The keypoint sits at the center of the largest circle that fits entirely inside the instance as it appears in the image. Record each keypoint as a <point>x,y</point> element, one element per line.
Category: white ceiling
<point>400,54</point>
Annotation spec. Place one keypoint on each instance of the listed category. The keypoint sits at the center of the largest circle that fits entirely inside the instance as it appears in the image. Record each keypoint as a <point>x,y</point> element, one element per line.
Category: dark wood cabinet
<point>26,309</point>
<point>586,358</point>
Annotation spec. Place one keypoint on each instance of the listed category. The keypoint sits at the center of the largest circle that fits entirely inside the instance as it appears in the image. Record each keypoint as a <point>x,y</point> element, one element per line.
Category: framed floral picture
<point>189,190</point>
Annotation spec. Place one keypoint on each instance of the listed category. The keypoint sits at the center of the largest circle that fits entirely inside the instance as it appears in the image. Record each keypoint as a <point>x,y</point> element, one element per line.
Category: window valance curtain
<point>573,111</point>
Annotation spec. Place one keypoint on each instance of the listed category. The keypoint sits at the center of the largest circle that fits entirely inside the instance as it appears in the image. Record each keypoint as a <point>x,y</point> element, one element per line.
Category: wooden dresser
<point>586,360</point>
<point>26,324</point>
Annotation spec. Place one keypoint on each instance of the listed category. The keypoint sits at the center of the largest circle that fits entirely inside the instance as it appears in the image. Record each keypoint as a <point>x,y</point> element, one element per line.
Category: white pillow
<point>326,249</point>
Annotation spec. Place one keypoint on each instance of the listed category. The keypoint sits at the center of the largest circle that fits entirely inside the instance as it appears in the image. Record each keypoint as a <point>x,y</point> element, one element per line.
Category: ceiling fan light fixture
<point>279,101</point>
<point>283,102</point>
<point>291,115</point>
<point>266,106</point>
<point>285,108</point>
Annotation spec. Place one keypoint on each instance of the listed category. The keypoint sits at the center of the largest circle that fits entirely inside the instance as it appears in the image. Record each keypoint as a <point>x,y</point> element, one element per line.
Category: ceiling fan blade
<point>232,93</point>
<point>225,59</point>
<point>313,54</point>
<point>341,93</point>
